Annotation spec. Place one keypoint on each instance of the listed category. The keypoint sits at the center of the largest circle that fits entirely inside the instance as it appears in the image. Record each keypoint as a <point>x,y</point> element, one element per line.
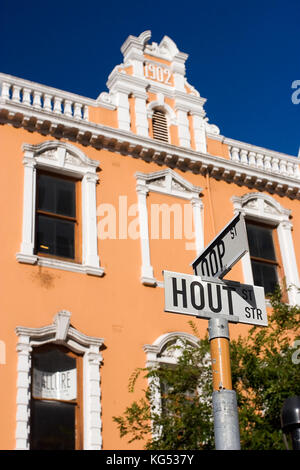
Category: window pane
<point>260,241</point>
<point>56,195</point>
<point>52,425</point>
<point>55,237</point>
<point>64,239</point>
<point>65,198</point>
<point>54,375</point>
<point>46,193</point>
<point>265,275</point>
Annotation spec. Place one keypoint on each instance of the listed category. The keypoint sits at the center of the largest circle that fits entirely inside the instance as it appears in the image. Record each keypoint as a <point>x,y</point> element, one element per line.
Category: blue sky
<point>243,55</point>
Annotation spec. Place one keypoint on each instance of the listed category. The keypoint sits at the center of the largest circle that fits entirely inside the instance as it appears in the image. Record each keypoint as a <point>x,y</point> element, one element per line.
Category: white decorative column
<point>183,127</point>
<point>147,276</point>
<point>122,103</point>
<point>178,69</point>
<point>198,223</point>
<point>199,132</point>
<point>92,400</point>
<point>284,231</point>
<point>90,258</point>
<point>23,393</point>
<point>141,120</point>
<point>28,231</point>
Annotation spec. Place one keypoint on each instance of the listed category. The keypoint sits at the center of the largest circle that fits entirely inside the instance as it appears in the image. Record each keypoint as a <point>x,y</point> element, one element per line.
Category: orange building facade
<point>99,197</point>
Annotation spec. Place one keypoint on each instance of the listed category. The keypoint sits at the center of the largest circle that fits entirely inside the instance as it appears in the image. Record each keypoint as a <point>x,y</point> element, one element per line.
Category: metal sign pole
<point>226,423</point>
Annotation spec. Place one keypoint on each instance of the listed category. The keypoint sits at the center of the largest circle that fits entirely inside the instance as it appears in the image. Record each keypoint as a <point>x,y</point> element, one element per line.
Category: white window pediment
<point>169,182</point>
<point>61,156</point>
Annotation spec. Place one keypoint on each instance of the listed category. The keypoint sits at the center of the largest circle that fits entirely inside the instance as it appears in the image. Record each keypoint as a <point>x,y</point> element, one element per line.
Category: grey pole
<point>226,423</point>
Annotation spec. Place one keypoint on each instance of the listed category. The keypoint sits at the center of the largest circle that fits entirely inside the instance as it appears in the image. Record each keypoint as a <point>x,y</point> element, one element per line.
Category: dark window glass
<point>52,425</point>
<point>263,257</point>
<point>55,236</point>
<point>56,195</point>
<point>53,361</point>
<point>54,400</point>
<point>56,216</point>
<point>260,241</point>
<point>265,275</point>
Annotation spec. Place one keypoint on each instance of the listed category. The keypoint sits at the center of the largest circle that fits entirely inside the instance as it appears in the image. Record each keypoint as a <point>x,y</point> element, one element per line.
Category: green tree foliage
<point>175,411</point>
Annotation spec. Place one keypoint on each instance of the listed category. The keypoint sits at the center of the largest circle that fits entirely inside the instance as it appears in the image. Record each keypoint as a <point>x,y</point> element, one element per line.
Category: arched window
<point>160,126</point>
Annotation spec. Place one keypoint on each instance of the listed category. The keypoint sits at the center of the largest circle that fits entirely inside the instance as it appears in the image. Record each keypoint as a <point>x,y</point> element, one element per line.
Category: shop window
<point>56,410</point>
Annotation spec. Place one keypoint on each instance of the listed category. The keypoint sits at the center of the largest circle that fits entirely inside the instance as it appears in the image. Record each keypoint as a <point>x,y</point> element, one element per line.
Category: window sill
<point>59,264</point>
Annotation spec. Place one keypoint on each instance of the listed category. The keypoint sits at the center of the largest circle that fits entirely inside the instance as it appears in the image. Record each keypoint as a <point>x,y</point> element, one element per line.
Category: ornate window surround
<point>60,332</point>
<point>65,159</point>
<point>263,208</point>
<point>162,351</point>
<point>170,183</point>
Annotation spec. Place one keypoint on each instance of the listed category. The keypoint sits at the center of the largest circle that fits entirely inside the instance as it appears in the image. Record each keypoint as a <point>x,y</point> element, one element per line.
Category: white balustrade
<point>44,98</point>
<point>268,161</point>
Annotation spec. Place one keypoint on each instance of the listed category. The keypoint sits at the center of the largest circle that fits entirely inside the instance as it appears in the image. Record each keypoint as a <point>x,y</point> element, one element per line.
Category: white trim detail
<point>170,183</point>
<point>263,208</point>
<point>162,106</point>
<point>162,351</point>
<point>65,159</point>
<point>60,332</point>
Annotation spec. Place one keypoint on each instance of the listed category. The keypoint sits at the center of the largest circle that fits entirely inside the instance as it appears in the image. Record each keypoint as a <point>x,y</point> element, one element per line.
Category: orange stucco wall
<point>117,306</point>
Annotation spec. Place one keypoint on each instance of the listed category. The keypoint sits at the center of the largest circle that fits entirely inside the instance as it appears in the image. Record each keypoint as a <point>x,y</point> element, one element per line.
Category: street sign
<point>209,298</point>
<point>224,251</point>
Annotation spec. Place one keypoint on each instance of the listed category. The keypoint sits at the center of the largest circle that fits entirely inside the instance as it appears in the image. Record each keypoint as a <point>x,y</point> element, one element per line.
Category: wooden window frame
<point>76,220</point>
<point>78,402</point>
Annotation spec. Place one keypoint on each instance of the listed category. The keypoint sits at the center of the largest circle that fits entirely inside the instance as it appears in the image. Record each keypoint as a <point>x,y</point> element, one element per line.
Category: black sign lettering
<point>200,289</point>
<point>229,290</point>
<point>176,292</point>
<point>210,298</point>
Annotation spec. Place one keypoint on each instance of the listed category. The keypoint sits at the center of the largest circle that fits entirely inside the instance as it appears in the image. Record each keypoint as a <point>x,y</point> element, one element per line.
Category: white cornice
<point>128,143</point>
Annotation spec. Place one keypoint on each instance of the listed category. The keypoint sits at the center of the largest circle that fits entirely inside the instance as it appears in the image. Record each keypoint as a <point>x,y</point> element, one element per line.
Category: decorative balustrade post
<point>275,165</point>
<point>244,156</point>
<point>37,99</point>
<point>57,105</point>
<point>26,96</point>
<point>235,154</point>
<point>259,160</point>
<point>68,108</point>
<point>267,161</point>
<point>5,91</point>
<point>252,159</point>
<point>16,94</point>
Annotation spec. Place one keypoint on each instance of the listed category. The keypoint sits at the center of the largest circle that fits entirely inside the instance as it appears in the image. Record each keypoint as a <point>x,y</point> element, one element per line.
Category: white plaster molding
<point>68,160</point>
<point>263,208</point>
<point>60,332</point>
<point>164,351</point>
<point>161,105</point>
<point>24,114</point>
<point>160,351</point>
<point>169,183</point>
